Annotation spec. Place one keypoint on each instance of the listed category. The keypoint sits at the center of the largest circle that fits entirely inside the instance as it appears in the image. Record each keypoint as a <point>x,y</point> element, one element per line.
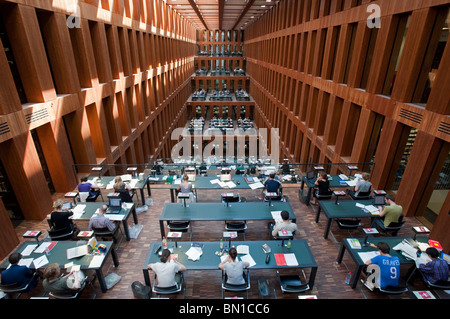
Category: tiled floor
<point>330,277</point>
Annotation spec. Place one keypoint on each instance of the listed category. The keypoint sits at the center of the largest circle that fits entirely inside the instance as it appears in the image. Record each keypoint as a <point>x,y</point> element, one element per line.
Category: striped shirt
<point>435,270</point>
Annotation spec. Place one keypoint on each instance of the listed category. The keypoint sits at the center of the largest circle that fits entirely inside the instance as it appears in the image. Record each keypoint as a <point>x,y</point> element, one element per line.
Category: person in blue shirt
<point>271,185</point>
<point>389,267</point>
<point>17,274</point>
<point>87,187</point>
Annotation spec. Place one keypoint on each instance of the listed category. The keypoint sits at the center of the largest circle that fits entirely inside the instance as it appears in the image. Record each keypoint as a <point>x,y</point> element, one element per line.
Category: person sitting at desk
<point>285,168</point>
<point>234,269</point>
<point>119,184</point>
<point>186,187</point>
<point>271,185</point>
<point>124,189</point>
<point>166,269</point>
<point>435,270</point>
<point>323,185</point>
<point>389,268</point>
<point>55,283</point>
<point>389,214</point>
<point>284,224</point>
<point>362,186</point>
<point>17,274</point>
<point>100,221</point>
<point>60,219</point>
<point>86,187</point>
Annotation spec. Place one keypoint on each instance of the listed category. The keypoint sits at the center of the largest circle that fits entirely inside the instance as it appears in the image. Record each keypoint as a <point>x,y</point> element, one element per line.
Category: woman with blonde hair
<point>59,218</point>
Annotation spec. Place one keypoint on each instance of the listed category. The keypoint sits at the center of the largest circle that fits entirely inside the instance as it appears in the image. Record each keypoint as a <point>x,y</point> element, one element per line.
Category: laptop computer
<point>445,257</point>
<point>379,201</point>
<point>310,175</point>
<point>115,205</point>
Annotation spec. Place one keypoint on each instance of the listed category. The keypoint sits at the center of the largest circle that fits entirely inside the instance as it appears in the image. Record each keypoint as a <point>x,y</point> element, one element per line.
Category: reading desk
<point>210,259</point>
<point>58,254</point>
<point>221,212</point>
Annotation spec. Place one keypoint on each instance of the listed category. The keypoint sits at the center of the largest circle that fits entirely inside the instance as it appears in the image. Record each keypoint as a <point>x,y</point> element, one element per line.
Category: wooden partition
<point>341,90</point>
<point>105,87</point>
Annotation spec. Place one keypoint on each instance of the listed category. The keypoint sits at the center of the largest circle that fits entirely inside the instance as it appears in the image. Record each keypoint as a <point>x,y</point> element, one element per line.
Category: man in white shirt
<point>284,224</point>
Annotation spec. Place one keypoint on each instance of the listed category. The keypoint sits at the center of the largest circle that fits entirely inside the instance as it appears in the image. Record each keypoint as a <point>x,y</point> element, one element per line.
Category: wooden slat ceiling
<point>221,14</point>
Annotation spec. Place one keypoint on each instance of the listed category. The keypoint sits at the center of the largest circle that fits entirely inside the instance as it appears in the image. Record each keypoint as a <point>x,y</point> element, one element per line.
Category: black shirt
<point>60,220</point>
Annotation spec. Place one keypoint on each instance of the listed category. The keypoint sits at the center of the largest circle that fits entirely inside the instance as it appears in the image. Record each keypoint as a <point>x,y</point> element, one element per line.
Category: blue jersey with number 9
<point>389,270</point>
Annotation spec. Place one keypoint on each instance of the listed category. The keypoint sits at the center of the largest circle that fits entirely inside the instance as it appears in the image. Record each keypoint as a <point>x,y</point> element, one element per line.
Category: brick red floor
<point>330,277</point>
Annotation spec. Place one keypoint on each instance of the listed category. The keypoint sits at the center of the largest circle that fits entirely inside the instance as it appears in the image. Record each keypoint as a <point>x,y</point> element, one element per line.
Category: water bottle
<point>164,243</point>
<point>348,277</point>
<point>221,243</point>
<point>288,244</point>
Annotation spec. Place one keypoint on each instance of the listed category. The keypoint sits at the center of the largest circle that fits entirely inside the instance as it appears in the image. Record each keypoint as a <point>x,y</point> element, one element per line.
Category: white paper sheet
<point>249,259</point>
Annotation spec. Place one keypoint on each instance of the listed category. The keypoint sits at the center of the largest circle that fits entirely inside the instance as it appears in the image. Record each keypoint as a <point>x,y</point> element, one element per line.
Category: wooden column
<point>442,225</point>
<point>23,29</point>
<point>386,151</point>
<point>22,165</point>
<point>439,100</point>
<point>57,153</point>
<point>416,177</point>
<point>9,99</point>
<point>9,237</point>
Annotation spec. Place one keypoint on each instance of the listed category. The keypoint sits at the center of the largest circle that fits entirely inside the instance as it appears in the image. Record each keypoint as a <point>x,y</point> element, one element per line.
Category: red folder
<point>280,260</point>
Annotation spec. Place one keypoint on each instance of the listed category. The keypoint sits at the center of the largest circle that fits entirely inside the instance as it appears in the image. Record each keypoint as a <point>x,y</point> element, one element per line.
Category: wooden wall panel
<point>9,237</point>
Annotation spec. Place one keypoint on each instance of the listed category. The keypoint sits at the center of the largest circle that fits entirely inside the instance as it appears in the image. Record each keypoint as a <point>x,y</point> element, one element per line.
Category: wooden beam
<point>247,7</point>
<point>221,9</point>
<point>194,6</point>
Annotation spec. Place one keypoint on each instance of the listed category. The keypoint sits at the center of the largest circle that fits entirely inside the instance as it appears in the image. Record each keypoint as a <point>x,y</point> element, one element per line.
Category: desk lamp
<point>97,169</point>
<point>351,169</point>
<point>270,196</point>
<point>183,196</point>
<point>338,194</point>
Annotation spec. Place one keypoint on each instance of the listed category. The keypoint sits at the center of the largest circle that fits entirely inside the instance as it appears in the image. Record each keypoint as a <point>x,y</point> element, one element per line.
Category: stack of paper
<point>407,250</point>
<point>256,185</point>
<point>276,215</point>
<point>242,249</point>
<point>365,256</point>
<point>40,262</point>
<point>372,209</point>
<point>247,258</point>
<point>352,183</point>
<point>194,253</point>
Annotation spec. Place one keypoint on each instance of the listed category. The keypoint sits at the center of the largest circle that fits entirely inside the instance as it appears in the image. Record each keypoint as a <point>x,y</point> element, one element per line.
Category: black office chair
<point>105,234</point>
<point>235,199</point>
<point>401,288</point>
<point>437,285</point>
<point>77,293</point>
<point>93,195</point>
<point>125,196</point>
<point>393,227</point>
<point>172,290</point>
<point>61,234</point>
<point>292,283</point>
<point>237,226</point>
<point>236,288</point>
<point>348,224</point>
<point>180,226</point>
<point>16,290</point>
<point>322,196</point>
<point>361,195</point>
